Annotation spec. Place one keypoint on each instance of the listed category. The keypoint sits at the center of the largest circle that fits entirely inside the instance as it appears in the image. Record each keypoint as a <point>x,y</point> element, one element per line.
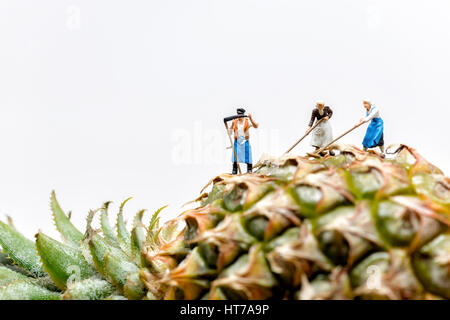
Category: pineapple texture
<point>350,226</point>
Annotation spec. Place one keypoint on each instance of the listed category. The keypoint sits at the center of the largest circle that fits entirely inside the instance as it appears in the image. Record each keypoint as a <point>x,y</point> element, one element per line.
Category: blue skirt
<point>374,134</point>
<point>243,151</point>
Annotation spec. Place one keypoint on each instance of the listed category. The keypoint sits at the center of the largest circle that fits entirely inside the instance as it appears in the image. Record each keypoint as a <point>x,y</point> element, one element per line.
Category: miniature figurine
<point>242,149</point>
<point>322,133</point>
<point>374,134</point>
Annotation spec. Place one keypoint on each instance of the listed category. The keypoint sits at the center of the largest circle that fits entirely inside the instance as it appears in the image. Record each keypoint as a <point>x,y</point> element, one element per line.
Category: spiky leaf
<point>107,230</point>
<point>99,248</point>
<point>65,227</point>
<point>7,276</point>
<point>123,274</point>
<point>20,249</point>
<point>25,290</point>
<point>89,289</point>
<point>138,235</point>
<point>123,235</point>
<point>62,262</point>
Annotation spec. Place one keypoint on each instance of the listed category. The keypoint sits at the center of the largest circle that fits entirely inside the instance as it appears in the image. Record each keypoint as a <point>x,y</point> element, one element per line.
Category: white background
<point>101,100</point>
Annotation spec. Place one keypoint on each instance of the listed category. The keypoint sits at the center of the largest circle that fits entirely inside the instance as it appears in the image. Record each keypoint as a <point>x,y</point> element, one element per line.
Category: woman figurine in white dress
<point>322,134</point>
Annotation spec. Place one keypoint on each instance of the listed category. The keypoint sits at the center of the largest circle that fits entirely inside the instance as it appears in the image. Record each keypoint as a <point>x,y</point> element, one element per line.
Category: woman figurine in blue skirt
<point>374,134</point>
<point>241,130</point>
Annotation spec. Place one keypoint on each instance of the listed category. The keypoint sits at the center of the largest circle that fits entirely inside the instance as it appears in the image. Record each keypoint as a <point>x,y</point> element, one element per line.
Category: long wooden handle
<point>346,132</point>
<point>234,149</point>
<point>305,135</point>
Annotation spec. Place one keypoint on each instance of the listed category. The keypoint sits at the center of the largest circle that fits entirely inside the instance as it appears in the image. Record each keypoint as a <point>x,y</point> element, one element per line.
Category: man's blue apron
<point>243,150</point>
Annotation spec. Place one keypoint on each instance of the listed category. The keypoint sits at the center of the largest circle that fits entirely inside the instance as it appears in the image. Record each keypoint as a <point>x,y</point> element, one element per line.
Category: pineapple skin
<point>351,226</point>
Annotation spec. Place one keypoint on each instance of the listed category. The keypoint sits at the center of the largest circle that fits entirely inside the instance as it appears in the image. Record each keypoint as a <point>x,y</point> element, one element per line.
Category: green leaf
<point>107,230</point>
<point>7,276</point>
<point>152,233</point>
<point>89,289</point>
<point>123,234</point>
<point>125,276</point>
<point>25,290</point>
<point>99,248</point>
<point>134,289</point>
<point>155,218</point>
<point>84,243</point>
<point>138,235</point>
<point>20,249</point>
<point>62,262</point>
<point>67,230</point>
<point>9,263</point>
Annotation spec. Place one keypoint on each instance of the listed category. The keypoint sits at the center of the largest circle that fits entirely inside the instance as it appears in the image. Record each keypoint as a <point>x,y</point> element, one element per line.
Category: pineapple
<point>350,226</point>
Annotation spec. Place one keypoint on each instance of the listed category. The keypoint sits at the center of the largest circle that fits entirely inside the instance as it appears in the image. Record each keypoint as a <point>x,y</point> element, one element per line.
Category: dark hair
<point>240,111</point>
